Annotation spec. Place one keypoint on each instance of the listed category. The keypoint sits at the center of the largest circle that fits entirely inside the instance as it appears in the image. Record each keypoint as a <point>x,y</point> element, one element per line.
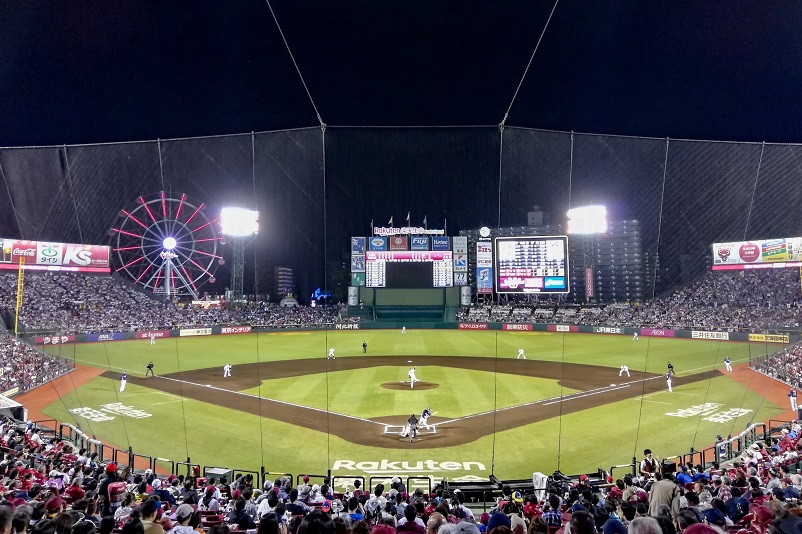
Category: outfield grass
<point>574,442</point>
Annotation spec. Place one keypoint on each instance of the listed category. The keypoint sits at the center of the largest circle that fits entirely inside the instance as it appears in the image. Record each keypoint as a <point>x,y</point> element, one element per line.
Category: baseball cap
<point>184,511</point>
<point>517,497</point>
<point>111,467</point>
<point>326,506</point>
<point>498,520</point>
<point>583,477</point>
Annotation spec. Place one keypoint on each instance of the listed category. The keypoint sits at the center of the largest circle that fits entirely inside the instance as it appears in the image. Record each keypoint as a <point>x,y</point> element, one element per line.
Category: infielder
<point>792,398</point>
<point>521,354</point>
<point>728,363</point>
<point>670,369</point>
<point>412,378</point>
<point>149,370</point>
<point>331,354</point>
<point>668,382</point>
<point>624,369</point>
<point>123,381</point>
<point>227,370</point>
<point>424,419</point>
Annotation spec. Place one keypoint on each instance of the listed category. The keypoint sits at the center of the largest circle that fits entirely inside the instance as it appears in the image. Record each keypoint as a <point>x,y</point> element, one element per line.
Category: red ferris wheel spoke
<point>194,213</point>
<point>137,260</point>
<point>143,274</point>
<point>147,208</point>
<point>199,266</point>
<point>180,205</point>
<point>133,218</point>
<point>204,225</point>
<point>158,279</point>
<point>207,254</point>
<point>189,278</point>
<point>135,247</point>
<point>119,231</point>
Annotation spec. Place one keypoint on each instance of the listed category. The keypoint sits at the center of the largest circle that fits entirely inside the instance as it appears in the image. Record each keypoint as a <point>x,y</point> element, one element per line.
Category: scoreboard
<point>537,264</point>
<point>409,268</point>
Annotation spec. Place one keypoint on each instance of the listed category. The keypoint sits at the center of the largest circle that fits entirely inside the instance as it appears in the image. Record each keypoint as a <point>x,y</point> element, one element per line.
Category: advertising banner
<point>517,326</point>
<point>769,338</point>
<point>589,287</point>
<point>562,328</point>
<point>358,245</point>
<point>184,332</point>
<point>45,256</point>
<point>346,326</point>
<point>700,334</point>
<point>607,330</point>
<point>472,326</point>
<point>484,280</point>
<point>357,263</point>
<point>460,244</point>
<point>146,334</point>
<point>378,243</point>
<point>484,254</point>
<point>399,242</point>
<point>758,254</point>
<point>358,279</point>
<point>54,340</point>
<point>419,242</point>
<point>235,330</point>
<point>656,332</point>
<point>460,279</point>
<point>110,336</point>
<point>460,263</point>
<point>441,243</point>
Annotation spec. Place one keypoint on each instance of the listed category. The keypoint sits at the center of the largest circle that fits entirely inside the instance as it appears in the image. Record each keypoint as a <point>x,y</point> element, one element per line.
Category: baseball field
<point>288,408</point>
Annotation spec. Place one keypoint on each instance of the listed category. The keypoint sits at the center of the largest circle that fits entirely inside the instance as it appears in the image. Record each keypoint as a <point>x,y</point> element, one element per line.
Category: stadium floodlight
<point>239,222</point>
<point>587,220</point>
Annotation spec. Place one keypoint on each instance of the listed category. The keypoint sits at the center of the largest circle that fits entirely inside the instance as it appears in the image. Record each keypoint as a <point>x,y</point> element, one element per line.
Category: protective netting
<point>686,194</point>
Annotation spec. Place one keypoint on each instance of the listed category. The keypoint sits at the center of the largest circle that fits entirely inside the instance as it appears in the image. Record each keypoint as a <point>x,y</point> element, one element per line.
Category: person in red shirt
<point>74,491</point>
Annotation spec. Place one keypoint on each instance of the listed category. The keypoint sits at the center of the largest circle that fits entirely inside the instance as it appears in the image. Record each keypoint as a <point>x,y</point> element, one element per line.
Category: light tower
<point>238,224</point>
<point>588,221</point>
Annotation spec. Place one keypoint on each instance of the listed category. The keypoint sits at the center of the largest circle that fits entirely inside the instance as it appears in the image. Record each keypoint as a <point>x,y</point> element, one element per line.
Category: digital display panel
<point>535,264</point>
<point>398,269</point>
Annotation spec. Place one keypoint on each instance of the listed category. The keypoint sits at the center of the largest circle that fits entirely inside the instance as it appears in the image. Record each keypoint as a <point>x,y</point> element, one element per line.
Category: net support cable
<point>295,63</point>
<point>660,222</point>
<point>72,193</point>
<point>531,58</point>
<point>754,188</point>
<point>161,164</point>
<point>11,200</point>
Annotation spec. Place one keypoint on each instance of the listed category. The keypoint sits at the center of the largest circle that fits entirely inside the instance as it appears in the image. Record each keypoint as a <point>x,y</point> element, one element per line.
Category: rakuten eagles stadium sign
<point>45,256</point>
<point>384,466</point>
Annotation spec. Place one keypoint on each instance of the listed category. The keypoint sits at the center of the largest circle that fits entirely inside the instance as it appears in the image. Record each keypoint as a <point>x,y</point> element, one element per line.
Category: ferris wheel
<point>167,245</point>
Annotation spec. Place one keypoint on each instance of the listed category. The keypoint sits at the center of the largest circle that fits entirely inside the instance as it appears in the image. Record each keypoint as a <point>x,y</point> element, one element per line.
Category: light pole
<point>238,224</point>
<point>588,221</point>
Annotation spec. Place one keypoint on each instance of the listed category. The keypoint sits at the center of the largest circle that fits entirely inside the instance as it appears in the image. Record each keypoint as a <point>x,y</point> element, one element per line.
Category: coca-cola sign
<point>47,256</point>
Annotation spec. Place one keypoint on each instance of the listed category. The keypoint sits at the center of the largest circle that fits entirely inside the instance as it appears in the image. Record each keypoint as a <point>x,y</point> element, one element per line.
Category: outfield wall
<point>777,336</point>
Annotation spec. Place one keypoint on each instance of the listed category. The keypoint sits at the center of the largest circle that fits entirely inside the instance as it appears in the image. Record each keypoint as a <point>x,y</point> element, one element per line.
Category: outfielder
<point>403,329</point>
<point>635,337</point>
<point>624,369</point>
<point>152,339</point>
<point>521,354</point>
<point>412,378</point>
<point>728,363</point>
<point>331,354</point>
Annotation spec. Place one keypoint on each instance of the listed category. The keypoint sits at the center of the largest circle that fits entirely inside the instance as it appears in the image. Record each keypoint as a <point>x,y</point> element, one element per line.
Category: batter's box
<point>397,430</point>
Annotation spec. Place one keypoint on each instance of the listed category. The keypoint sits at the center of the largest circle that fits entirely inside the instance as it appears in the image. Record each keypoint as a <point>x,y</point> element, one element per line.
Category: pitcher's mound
<point>399,386</point>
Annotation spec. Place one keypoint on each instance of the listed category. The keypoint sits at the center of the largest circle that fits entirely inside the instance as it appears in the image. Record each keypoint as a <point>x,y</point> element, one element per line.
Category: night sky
<point>88,71</point>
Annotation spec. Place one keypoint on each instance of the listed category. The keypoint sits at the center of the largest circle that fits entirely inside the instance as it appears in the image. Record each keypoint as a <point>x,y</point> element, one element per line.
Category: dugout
<point>409,305</point>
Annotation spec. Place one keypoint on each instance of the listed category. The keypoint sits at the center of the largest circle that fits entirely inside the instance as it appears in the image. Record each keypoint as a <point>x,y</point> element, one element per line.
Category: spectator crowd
<point>755,300</point>
<point>50,487</point>
<point>81,304</point>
